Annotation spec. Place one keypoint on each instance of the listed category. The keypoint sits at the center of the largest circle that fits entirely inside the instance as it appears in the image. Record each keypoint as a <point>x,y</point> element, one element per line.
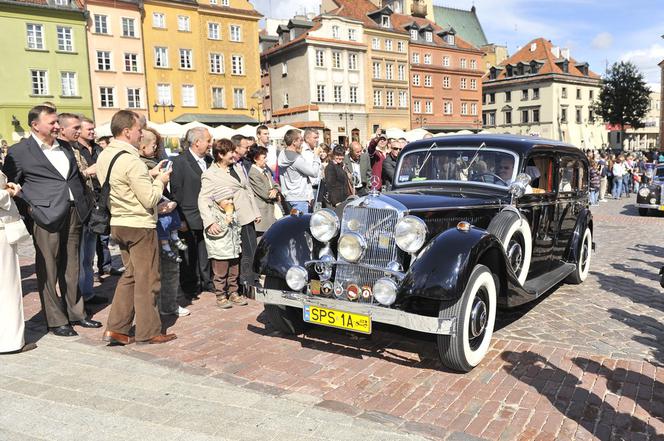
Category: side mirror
<point>518,187</point>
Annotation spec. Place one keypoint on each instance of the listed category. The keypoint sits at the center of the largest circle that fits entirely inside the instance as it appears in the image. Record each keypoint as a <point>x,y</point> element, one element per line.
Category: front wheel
<point>583,259</point>
<point>285,319</point>
<point>475,313</point>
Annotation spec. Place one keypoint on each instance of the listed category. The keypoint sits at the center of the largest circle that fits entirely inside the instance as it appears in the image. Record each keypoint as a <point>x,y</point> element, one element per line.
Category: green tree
<point>625,97</point>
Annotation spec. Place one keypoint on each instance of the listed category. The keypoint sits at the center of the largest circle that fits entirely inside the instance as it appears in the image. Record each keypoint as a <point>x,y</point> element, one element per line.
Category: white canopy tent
<point>103,130</point>
<point>171,129</point>
<point>279,132</point>
<point>416,134</point>
<point>194,124</point>
<point>247,130</point>
<point>395,133</point>
<point>221,132</point>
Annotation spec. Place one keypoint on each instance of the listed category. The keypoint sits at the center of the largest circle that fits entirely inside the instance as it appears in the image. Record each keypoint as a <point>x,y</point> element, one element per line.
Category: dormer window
<point>385,21</point>
<point>335,31</point>
<point>492,73</point>
<point>352,35</point>
<point>413,34</point>
<point>449,39</point>
<point>428,35</point>
<point>292,34</point>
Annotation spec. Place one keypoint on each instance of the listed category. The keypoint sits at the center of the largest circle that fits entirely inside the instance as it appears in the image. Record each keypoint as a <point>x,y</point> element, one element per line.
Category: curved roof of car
<point>518,144</point>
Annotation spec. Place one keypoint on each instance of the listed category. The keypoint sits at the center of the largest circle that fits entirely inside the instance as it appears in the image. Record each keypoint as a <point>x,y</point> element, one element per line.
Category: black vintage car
<point>472,224</point>
<point>649,196</point>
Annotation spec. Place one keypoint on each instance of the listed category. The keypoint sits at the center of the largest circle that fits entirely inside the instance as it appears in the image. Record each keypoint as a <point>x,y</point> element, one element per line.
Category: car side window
<point>540,170</point>
<point>570,174</point>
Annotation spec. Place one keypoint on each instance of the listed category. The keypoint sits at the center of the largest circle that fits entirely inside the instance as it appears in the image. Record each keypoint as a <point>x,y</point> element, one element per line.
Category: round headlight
<point>351,247</point>
<point>644,192</point>
<point>324,224</point>
<point>410,234</point>
<point>296,278</point>
<point>385,291</point>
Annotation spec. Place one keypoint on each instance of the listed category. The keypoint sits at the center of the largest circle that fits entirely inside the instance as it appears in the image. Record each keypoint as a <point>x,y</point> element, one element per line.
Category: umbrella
<point>416,134</point>
<point>194,124</point>
<point>280,132</point>
<point>171,129</point>
<point>221,132</point>
<point>395,133</point>
<point>247,130</point>
<point>103,130</point>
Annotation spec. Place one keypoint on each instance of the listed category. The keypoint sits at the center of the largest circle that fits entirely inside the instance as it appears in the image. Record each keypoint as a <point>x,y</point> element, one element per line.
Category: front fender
<point>585,219</point>
<point>286,243</point>
<point>444,266</point>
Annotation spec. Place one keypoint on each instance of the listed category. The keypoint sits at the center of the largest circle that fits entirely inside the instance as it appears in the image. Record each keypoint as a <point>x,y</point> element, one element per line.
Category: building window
<point>403,98</point>
<point>378,98</point>
<point>376,70</point>
<point>473,64</point>
<point>463,83</point>
<point>213,31</point>
<point>401,72</point>
<point>417,106</point>
<point>285,100</point>
<point>352,34</point>
<point>239,101</point>
<point>591,116</point>
<point>389,71</point>
<point>107,97</point>
<point>385,21</point>
<point>158,20</point>
<point>524,95</point>
<point>389,98</point>
<point>336,60</point>
<point>101,24</point>
<point>413,34</point>
<point>69,83</point>
<point>428,36</point>
<point>388,45</point>
<point>427,107</point>
<point>337,94</point>
<point>492,98</point>
<point>284,69</point>
<point>462,63</point>
<point>401,46</point>
<point>508,117</point>
<point>320,58</point>
<point>536,93</point>
<point>130,62</point>
<point>237,65</point>
<point>579,117</point>
<point>352,61</point>
<point>236,33</point>
<point>447,107</point>
<point>508,96</point>
<point>446,82</point>
<point>591,94</point>
<point>563,114</point>
<point>62,2</point>
<point>352,95</point>
<point>225,3</point>
<point>335,32</point>
<point>416,80</point>
<point>103,60</point>
<point>188,95</point>
<point>578,94</point>
<point>416,58</point>
<point>563,92</point>
<point>427,80</point>
<point>473,109</point>
<point>218,98</point>
<point>449,39</point>
<point>524,116</point>
<point>427,58</point>
<point>134,98</point>
<point>128,27</point>
<point>473,84</point>
<point>186,61</point>
<point>464,109</point>
<point>65,39</point>
<point>492,118</point>
<point>375,43</point>
<point>160,57</point>
<point>183,23</point>
<point>446,61</point>
<point>35,34</point>
<point>216,63</point>
<point>536,116</point>
<point>320,93</point>
<point>164,94</point>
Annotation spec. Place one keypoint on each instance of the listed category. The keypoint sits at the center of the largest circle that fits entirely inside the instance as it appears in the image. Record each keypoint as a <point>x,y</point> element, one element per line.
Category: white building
<point>645,138</point>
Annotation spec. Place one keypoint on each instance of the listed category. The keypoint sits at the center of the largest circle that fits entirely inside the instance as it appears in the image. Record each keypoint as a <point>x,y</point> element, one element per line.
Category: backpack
<point>100,217</point>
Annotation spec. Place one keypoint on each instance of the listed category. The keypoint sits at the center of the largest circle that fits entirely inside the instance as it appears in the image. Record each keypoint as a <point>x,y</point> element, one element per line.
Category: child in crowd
<point>224,249</point>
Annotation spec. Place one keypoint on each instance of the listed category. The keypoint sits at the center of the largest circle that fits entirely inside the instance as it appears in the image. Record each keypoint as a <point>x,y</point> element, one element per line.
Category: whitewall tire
<point>514,234</point>
<point>583,259</point>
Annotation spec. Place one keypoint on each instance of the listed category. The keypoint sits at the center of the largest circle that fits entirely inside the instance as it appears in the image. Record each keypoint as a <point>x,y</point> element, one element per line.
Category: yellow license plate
<point>661,208</point>
<point>337,319</point>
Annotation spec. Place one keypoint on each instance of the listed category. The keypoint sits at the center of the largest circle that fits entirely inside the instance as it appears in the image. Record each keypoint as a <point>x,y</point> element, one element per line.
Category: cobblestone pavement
<point>583,362</point>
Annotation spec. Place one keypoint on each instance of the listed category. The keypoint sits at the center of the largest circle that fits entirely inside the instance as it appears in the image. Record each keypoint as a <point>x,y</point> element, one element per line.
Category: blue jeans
<point>626,178</point>
<point>103,254</point>
<point>302,206</point>
<point>167,223</point>
<point>617,187</point>
<point>593,197</point>
<point>88,249</point>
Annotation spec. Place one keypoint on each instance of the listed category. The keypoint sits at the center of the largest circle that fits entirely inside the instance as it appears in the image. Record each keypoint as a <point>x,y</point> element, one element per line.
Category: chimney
<point>565,53</point>
<point>555,51</point>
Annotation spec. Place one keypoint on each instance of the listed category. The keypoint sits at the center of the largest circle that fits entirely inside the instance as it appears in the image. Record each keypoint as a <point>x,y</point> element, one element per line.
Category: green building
<point>45,58</point>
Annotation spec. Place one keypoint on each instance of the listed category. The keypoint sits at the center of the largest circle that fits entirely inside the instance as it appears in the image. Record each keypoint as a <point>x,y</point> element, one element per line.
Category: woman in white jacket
<point>12,325</point>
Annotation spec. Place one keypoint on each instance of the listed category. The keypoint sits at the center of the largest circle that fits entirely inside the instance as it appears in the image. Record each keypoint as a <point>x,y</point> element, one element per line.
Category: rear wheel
<point>285,319</point>
<point>583,259</point>
<point>475,313</point>
<point>513,231</point>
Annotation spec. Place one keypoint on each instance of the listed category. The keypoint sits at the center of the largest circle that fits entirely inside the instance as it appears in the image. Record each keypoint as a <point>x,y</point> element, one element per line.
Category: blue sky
<point>596,31</point>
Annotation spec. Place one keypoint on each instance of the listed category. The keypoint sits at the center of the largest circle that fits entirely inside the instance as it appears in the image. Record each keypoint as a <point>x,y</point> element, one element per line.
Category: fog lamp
<point>385,291</point>
<point>296,278</point>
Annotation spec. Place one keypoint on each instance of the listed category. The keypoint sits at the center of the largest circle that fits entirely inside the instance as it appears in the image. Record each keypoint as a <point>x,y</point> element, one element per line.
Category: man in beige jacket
<point>135,193</point>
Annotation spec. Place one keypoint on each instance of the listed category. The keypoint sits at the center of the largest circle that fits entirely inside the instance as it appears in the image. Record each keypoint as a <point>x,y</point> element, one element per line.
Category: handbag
<point>278,214</point>
<point>16,232</point>
<point>100,217</point>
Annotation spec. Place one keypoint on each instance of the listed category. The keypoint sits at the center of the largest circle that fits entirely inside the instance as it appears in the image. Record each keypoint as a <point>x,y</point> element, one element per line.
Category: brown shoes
<point>118,338</point>
<point>223,302</point>
<point>161,338</point>
<point>237,300</point>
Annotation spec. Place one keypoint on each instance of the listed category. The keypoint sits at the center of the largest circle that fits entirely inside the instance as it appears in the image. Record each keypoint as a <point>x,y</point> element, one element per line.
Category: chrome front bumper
<point>651,206</point>
<point>380,314</point>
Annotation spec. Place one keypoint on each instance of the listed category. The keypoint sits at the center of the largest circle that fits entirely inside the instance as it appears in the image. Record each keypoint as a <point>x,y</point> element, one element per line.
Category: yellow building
<point>202,60</point>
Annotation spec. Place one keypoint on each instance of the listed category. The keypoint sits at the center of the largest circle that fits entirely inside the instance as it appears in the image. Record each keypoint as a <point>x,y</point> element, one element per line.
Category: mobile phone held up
<point>167,166</point>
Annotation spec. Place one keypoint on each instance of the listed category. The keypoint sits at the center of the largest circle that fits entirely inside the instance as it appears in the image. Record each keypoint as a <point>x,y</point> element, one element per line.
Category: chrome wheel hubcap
<point>478,318</point>
<point>515,256</point>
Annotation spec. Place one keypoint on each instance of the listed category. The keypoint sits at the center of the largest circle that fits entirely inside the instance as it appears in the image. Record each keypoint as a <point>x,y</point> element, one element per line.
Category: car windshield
<point>463,164</point>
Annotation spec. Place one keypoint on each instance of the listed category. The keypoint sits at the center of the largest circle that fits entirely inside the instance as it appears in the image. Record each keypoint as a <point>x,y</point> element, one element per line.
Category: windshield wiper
<point>419,168</point>
<point>477,154</point>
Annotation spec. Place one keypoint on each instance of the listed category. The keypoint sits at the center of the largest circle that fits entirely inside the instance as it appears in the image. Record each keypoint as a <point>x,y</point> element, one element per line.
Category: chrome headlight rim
<point>329,223</point>
<point>385,291</point>
<point>359,241</point>
<point>417,226</point>
<point>644,192</point>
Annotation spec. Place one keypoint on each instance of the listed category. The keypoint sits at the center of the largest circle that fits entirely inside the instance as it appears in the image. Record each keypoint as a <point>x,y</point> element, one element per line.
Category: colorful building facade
<point>46,59</point>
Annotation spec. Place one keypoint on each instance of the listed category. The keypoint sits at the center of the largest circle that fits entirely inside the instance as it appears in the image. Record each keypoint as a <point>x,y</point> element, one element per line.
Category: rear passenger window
<point>540,170</point>
<point>570,176</point>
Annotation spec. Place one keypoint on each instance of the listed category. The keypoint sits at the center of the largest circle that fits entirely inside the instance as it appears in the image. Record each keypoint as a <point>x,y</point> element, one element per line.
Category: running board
<point>540,285</point>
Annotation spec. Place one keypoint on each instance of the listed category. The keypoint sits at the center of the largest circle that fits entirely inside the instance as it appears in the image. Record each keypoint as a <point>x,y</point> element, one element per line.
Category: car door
<point>538,206</point>
<point>572,191</point>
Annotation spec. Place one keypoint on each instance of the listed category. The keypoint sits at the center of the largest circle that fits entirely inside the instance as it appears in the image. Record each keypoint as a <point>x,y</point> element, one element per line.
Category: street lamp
<point>163,107</point>
<point>347,116</point>
<point>264,112</point>
<point>421,120</point>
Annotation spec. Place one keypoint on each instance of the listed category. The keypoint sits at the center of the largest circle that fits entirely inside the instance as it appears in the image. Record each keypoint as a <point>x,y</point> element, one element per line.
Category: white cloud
<point>647,61</point>
<point>603,40</point>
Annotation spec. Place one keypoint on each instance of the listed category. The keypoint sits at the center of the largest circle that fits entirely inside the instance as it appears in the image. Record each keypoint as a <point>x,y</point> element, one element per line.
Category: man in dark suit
<point>358,163</point>
<point>185,187</point>
<point>57,202</point>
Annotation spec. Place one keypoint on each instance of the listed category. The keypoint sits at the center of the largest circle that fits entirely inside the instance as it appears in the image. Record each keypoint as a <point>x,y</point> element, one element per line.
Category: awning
<point>214,118</point>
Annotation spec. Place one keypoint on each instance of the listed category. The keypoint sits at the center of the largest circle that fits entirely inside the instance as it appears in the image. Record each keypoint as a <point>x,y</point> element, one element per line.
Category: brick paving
<point>583,362</point>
